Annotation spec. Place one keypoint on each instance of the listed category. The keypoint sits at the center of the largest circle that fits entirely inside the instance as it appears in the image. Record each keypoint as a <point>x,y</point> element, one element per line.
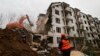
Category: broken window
<point>50,39</point>
<point>36,38</point>
<point>57,12</point>
<point>57,20</point>
<point>58,29</point>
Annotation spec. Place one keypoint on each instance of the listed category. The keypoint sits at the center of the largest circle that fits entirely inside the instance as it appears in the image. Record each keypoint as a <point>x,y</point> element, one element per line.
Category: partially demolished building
<point>81,28</point>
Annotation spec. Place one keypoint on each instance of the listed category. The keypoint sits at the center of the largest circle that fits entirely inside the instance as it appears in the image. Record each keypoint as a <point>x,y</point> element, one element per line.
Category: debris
<point>11,44</point>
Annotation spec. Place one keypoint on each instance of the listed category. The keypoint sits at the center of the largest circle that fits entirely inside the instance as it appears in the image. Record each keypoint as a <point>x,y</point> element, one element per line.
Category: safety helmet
<point>63,35</point>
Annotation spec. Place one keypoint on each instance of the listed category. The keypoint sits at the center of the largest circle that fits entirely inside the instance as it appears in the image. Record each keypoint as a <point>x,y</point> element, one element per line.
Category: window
<point>73,28</point>
<point>88,35</point>
<point>89,23</point>
<point>58,39</point>
<point>87,17</point>
<point>36,37</point>
<point>83,16</point>
<point>70,13</point>
<point>96,25</point>
<point>62,13</point>
<point>65,29</point>
<point>85,22</point>
<point>92,35</point>
<point>58,29</point>
<point>57,5</point>
<point>90,28</point>
<point>64,22</point>
<point>97,30</point>
<point>72,21</point>
<point>50,39</point>
<point>86,28</point>
<point>99,36</point>
<point>57,20</point>
<point>57,12</point>
<point>94,41</point>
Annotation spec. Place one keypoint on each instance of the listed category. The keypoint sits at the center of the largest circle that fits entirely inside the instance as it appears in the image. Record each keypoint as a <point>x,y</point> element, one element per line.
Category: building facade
<point>80,28</point>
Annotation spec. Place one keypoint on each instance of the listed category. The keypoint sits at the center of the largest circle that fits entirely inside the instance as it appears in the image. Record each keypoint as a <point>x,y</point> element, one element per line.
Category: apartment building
<point>80,28</point>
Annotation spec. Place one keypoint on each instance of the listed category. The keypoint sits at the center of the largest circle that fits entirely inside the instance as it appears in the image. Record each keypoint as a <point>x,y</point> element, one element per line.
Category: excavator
<point>19,24</point>
<point>19,27</point>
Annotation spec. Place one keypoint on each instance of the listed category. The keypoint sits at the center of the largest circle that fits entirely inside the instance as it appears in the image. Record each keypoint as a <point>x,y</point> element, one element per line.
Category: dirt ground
<point>11,44</point>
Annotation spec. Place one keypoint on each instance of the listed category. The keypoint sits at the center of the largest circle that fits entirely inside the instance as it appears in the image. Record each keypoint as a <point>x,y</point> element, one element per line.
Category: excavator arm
<point>29,20</point>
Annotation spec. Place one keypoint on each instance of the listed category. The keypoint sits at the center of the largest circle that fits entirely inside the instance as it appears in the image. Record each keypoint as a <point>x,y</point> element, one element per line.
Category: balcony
<point>80,27</point>
<point>67,12</point>
<point>79,22</point>
<point>92,26</point>
<point>93,32</point>
<point>67,20</point>
<point>68,28</point>
<point>88,32</point>
<point>79,16</point>
<point>90,20</point>
<point>80,30</point>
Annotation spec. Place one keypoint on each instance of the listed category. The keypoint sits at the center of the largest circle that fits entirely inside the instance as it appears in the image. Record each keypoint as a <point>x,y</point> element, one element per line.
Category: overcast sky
<point>34,7</point>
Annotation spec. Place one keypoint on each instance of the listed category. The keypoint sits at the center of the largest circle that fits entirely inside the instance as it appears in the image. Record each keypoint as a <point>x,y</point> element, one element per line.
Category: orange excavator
<point>19,24</point>
<point>18,27</point>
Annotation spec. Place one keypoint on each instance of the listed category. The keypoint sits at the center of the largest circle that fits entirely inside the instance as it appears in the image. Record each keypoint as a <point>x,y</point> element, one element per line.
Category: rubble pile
<point>12,44</point>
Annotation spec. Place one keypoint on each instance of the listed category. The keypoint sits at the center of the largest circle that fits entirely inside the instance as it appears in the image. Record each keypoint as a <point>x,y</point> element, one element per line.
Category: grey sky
<point>34,7</point>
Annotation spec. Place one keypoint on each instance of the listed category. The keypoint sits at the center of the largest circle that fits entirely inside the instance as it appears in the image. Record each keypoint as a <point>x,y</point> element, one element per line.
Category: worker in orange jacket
<point>65,46</point>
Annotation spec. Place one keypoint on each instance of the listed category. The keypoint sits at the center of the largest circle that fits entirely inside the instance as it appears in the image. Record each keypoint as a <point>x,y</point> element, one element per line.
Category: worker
<point>64,45</point>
